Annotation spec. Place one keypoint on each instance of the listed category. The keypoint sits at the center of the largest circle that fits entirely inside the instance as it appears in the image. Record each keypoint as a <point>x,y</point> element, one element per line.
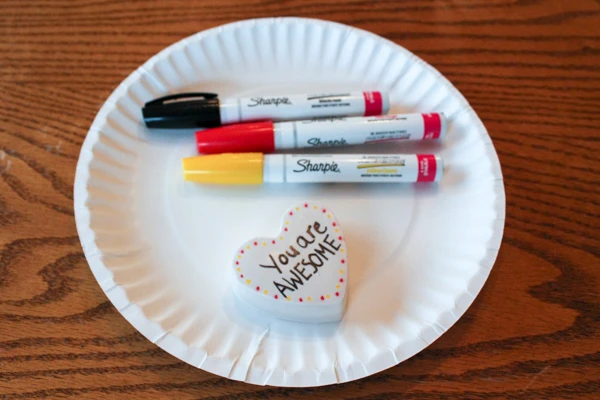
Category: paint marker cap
<point>183,110</point>
<point>237,138</point>
<point>231,169</point>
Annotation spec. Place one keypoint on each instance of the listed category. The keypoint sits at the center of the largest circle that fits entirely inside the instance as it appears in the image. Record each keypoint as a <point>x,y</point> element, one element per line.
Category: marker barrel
<point>366,168</point>
<point>294,107</point>
<point>336,132</point>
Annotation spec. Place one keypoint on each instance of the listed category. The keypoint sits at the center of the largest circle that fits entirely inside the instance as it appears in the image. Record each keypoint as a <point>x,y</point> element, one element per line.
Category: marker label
<point>328,132</point>
<point>359,168</point>
<point>302,106</point>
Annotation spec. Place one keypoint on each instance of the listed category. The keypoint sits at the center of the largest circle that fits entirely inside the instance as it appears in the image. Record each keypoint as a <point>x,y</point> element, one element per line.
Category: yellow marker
<point>256,168</point>
<point>248,281</point>
<point>341,271</point>
<point>239,256</point>
<point>266,292</point>
<point>342,250</point>
<point>287,222</point>
<point>264,243</point>
<point>288,298</point>
<point>328,215</point>
<point>328,296</point>
<point>337,230</point>
<point>316,207</point>
<point>239,269</point>
<point>337,286</point>
<point>280,237</point>
<point>297,208</point>
<point>308,298</point>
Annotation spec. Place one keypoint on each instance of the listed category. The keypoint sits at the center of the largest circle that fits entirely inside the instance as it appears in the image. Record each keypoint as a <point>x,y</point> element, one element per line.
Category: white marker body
<point>294,107</point>
<point>342,131</point>
<point>365,168</point>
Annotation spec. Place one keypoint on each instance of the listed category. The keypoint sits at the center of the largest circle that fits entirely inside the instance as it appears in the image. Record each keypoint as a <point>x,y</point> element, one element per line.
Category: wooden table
<point>531,69</point>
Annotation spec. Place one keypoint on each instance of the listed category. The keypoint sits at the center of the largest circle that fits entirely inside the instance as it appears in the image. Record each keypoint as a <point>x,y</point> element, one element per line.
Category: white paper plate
<point>161,248</point>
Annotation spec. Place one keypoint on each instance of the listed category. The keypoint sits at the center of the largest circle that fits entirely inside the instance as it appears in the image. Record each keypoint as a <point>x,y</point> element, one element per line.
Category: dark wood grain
<point>530,68</point>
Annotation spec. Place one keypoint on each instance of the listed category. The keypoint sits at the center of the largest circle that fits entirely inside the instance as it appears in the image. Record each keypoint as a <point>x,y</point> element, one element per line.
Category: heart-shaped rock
<point>300,275</point>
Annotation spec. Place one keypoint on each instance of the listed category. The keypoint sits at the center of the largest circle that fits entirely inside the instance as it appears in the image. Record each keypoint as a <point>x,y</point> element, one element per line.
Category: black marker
<point>203,110</point>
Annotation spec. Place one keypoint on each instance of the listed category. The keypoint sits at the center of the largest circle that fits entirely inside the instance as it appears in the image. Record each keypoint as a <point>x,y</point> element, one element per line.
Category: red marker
<point>266,137</point>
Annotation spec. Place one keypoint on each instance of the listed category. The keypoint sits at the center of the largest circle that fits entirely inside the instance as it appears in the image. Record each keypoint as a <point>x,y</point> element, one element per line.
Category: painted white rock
<point>302,273</point>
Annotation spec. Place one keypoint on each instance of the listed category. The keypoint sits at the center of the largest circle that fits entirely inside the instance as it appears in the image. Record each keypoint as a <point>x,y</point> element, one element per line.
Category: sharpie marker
<point>266,137</point>
<point>256,168</point>
<point>203,110</point>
